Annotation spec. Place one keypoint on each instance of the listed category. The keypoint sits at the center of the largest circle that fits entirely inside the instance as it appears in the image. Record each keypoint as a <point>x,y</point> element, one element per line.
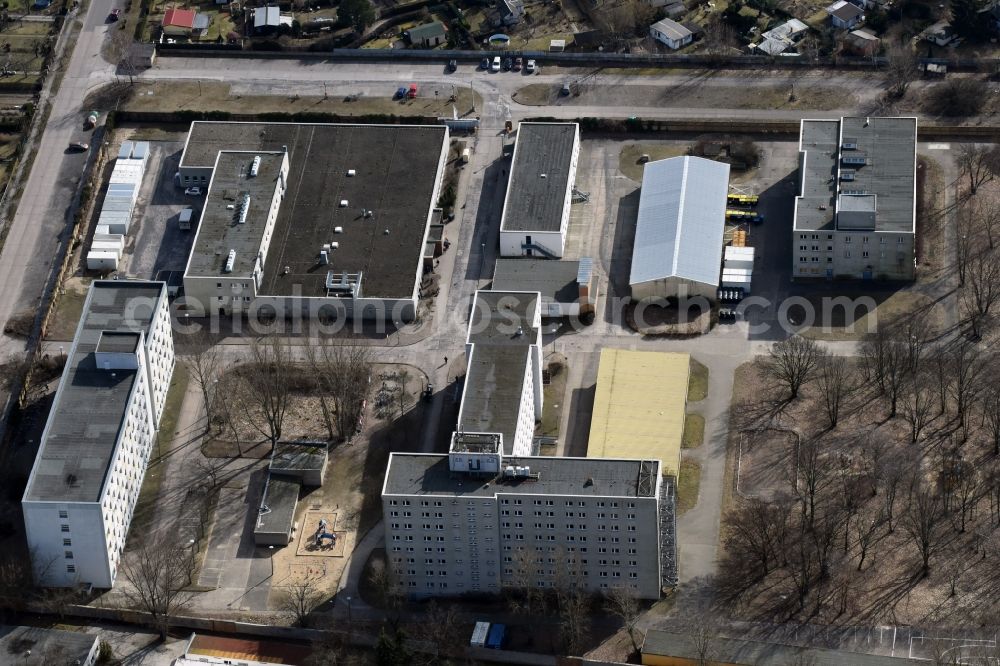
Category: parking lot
<point>156,243</point>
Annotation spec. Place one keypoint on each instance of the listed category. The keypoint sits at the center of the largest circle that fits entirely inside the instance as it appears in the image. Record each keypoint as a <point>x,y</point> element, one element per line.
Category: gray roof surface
<point>493,387</point>
<point>555,280</point>
<point>682,209</point>
<point>122,342</point>
<point>846,11</point>
<point>396,174</point>
<point>497,316</point>
<point>889,144</point>
<point>48,647</point>
<point>428,474</point>
<point>298,456</point>
<point>219,230</point>
<point>281,497</point>
<point>535,203</point>
<point>671,29</point>
<point>90,404</point>
<point>757,653</point>
<point>426,31</point>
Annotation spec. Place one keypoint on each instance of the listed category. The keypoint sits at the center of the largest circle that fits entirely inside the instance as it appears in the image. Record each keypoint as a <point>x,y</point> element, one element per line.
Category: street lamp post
<point>349,619</point>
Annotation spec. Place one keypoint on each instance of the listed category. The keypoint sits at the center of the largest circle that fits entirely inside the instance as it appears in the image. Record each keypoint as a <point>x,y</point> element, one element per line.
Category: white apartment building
<point>523,521</point>
<point>491,514</point>
<point>503,379</point>
<point>855,215</point>
<point>90,464</point>
<point>536,208</point>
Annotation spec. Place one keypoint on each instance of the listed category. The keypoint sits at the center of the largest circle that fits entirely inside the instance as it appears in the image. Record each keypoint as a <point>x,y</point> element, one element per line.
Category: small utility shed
<point>639,407</point>
<point>567,287</point>
<point>679,232</point>
<point>276,514</point>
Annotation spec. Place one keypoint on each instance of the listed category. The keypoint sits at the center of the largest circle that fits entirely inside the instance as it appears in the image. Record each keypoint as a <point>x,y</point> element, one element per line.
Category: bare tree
<point>813,471</point>
<point>757,531</point>
<point>990,404</point>
<point>917,404</point>
<point>866,527</point>
<point>967,364</point>
<point>383,579</point>
<point>836,382</point>
<point>157,577</point>
<point>343,372</point>
<point>982,289</point>
<point>442,631</point>
<point>623,604</point>
<point>402,379</point>
<point>267,386</point>
<point>210,468</point>
<point>205,361</point>
<point>573,607</point>
<point>300,598</point>
<point>978,163</point>
<point>902,69</point>
<point>792,363</point>
<point>922,522</point>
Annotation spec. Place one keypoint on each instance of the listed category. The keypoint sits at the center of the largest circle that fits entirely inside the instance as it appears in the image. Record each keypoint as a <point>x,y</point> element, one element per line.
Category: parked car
<point>485,63</point>
<point>507,64</point>
<point>495,67</point>
<point>530,67</point>
<point>412,92</point>
<point>400,92</point>
<point>517,64</point>
<point>114,15</point>
<point>193,191</point>
<point>452,65</point>
<point>79,147</point>
<point>565,90</point>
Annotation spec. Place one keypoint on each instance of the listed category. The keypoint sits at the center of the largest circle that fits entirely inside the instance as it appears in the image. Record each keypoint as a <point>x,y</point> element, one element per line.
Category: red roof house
<point>178,21</point>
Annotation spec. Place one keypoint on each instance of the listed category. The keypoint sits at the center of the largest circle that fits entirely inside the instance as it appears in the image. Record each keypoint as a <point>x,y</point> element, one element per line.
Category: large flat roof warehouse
<point>392,171</point>
<point>429,474</point>
<point>639,406</point>
<point>223,226</point>
<point>865,167</point>
<point>539,177</point>
<point>681,223</point>
<point>91,403</point>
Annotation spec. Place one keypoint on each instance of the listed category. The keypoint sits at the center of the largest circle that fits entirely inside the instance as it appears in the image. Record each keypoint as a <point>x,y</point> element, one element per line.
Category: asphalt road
<point>41,219</point>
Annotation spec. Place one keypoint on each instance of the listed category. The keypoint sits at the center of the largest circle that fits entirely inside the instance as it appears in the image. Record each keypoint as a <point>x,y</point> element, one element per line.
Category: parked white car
<point>495,65</point>
<point>193,191</point>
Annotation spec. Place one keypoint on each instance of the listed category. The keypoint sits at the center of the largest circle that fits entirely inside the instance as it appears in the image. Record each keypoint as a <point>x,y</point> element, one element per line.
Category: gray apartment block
<point>855,215</point>
<point>537,521</point>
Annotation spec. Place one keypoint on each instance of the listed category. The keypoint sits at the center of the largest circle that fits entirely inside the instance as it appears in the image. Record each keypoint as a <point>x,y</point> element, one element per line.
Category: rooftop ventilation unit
<point>343,203</point>
<point>847,174</point>
<point>255,166</point>
<point>849,144</point>
<point>244,208</point>
<point>324,257</point>
<point>338,230</point>
<point>860,160</point>
<point>230,262</point>
<point>351,173</point>
<point>368,213</point>
<point>334,245</point>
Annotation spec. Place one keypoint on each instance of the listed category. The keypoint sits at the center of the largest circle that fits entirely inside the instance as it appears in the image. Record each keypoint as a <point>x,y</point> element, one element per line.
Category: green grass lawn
<point>698,382</point>
<point>64,321</point>
<point>687,485</point>
<point>694,431</point>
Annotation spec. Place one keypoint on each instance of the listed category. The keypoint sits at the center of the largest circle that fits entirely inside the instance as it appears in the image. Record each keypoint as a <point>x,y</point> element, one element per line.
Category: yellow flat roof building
<point>639,407</point>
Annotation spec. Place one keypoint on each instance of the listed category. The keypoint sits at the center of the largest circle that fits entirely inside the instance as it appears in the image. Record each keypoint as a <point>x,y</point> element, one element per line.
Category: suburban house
<point>510,12</point>
<point>672,8</point>
<point>670,33</point>
<point>940,34</point>
<point>268,19</point>
<point>178,22</point>
<point>427,35</point>
<point>861,42</point>
<point>844,15</point>
<point>781,38</point>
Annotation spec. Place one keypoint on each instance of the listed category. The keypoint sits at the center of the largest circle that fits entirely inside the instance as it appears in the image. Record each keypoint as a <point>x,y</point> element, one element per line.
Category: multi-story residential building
<point>90,464</point>
<point>522,521</point>
<point>855,215</point>
<point>491,514</point>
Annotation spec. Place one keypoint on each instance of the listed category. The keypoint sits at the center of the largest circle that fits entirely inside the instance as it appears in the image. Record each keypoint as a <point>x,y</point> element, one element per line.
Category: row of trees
<point>258,393</point>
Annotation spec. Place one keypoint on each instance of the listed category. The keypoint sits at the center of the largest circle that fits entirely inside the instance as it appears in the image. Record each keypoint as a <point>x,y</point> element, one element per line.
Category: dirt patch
<point>216,96</point>
<point>844,324</point>
<point>655,320</point>
<point>630,161</point>
<point>766,463</point>
<point>694,431</point>
<point>698,383</point>
<point>807,96</point>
